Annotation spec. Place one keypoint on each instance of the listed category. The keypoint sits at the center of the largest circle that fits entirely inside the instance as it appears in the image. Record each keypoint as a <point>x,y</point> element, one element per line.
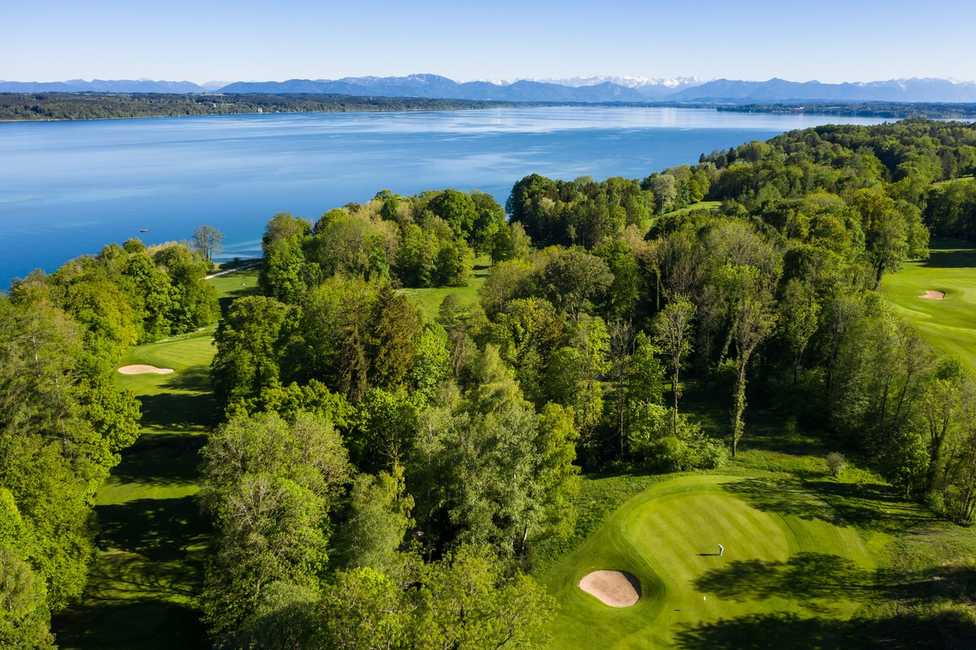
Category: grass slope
<point>668,535</point>
<point>811,561</point>
<point>948,325</point>
<point>151,532</point>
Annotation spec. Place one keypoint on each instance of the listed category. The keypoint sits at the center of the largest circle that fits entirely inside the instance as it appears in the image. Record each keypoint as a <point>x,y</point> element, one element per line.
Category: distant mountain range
<point>780,90</point>
<point>579,89</point>
<point>101,86</point>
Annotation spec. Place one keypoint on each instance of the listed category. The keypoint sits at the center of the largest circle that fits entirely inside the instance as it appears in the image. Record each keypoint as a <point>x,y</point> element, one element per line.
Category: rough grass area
<point>949,325</point>
<point>151,533</point>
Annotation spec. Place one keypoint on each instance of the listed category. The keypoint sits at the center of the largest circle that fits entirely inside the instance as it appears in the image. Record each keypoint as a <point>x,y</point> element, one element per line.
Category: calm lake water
<point>68,188</point>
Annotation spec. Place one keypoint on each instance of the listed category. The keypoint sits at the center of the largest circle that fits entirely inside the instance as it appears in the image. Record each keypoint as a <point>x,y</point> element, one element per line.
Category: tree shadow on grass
<point>160,530</point>
<point>867,505</point>
<point>816,580</point>
<point>168,411</point>
<point>780,631</point>
<point>127,576</point>
<point>148,625</point>
<point>951,259</point>
<point>227,299</point>
<point>195,378</point>
<point>872,505</point>
<point>161,459</point>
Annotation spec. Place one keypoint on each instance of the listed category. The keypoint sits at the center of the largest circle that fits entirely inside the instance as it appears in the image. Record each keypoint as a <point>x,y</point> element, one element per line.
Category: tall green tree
<point>284,273</point>
<point>207,241</point>
<point>379,518</point>
<point>672,332</point>
<point>465,603</point>
<point>249,349</point>
<point>753,320</point>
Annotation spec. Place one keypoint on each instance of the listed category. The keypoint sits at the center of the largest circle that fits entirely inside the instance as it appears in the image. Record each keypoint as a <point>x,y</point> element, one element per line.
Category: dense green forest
<point>381,478</point>
<point>91,106</point>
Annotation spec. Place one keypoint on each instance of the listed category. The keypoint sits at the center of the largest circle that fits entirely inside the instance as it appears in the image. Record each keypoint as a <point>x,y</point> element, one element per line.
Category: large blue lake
<point>67,188</point>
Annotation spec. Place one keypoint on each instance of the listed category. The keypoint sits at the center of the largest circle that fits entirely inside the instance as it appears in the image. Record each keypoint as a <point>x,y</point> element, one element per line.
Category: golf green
<point>668,537</point>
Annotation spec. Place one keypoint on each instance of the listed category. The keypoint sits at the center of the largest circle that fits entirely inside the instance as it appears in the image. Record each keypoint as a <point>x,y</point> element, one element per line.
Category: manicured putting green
<point>949,325</point>
<point>668,536</point>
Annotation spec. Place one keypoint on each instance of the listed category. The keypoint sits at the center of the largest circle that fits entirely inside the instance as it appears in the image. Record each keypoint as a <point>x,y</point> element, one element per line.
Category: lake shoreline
<point>71,186</point>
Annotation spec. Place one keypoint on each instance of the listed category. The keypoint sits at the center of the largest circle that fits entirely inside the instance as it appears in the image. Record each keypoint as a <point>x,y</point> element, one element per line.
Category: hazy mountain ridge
<point>102,86</point>
<point>597,89</point>
<point>576,89</point>
<point>894,90</point>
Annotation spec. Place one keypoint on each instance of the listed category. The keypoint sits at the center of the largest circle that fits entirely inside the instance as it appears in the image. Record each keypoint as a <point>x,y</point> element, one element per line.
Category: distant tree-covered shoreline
<point>93,106</point>
<point>892,110</point>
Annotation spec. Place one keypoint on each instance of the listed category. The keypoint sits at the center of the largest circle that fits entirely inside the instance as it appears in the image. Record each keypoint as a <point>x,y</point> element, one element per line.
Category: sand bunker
<point>613,588</point>
<point>933,295</point>
<point>141,369</point>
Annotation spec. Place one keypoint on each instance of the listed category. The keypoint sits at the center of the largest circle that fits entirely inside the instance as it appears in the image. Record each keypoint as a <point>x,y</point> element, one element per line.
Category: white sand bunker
<point>933,295</point>
<point>613,588</point>
<point>142,369</point>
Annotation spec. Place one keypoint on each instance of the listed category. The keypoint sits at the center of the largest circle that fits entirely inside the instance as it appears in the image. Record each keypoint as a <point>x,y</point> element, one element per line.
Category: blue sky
<point>829,40</point>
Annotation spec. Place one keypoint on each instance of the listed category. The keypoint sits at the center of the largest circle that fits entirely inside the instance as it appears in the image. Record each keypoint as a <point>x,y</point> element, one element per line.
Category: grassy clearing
<point>948,325</point>
<point>708,206</point>
<point>428,301</point>
<point>151,532</point>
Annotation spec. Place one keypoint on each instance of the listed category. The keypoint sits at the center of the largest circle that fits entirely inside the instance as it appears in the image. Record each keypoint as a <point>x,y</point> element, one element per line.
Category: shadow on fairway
<point>160,530</point>
<point>168,411</point>
<point>150,625</point>
<point>232,295</point>
<point>161,459</point>
<point>951,259</point>
<point>768,631</point>
<point>196,378</point>
<point>868,505</point>
<point>816,580</point>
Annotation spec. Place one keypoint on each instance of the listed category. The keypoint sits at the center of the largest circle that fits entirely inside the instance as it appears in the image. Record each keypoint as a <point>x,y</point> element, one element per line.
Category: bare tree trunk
<point>739,404</point>
<point>675,394</point>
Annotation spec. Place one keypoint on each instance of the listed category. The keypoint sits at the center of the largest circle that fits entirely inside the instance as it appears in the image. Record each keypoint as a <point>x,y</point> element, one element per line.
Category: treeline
<point>92,106</point>
<point>889,110</point>
<point>63,421</point>
<point>950,209</point>
<point>909,158</point>
<point>376,470</point>
<point>428,240</point>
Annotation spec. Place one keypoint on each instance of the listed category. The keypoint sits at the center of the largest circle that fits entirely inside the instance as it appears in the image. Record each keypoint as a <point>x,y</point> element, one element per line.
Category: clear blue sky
<point>830,40</point>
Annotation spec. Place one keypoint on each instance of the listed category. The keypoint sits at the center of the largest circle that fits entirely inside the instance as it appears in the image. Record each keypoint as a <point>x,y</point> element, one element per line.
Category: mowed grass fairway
<point>948,325</point>
<point>151,532</point>
<point>668,536</point>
